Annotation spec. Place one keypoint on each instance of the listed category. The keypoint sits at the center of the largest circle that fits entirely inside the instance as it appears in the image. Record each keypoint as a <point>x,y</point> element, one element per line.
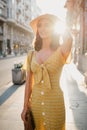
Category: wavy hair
<point>54,42</point>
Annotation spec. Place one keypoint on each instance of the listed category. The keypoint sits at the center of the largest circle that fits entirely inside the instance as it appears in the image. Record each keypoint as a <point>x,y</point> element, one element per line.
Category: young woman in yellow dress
<point>44,68</point>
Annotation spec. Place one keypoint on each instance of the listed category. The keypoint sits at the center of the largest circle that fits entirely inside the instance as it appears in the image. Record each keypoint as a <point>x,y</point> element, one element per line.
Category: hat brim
<point>51,17</point>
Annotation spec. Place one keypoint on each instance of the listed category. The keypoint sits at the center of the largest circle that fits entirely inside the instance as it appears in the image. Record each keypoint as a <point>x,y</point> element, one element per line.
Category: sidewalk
<point>11,102</point>
<point>75,92</point>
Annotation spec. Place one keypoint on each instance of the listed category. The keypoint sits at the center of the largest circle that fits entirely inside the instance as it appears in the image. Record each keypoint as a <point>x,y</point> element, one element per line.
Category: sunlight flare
<point>60,27</point>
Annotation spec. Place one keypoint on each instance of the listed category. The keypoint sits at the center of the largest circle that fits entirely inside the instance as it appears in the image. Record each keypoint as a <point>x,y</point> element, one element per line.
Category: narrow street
<point>72,83</point>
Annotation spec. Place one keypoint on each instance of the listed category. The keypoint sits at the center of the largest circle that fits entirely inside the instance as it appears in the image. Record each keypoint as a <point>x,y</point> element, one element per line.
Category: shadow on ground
<point>8,93</point>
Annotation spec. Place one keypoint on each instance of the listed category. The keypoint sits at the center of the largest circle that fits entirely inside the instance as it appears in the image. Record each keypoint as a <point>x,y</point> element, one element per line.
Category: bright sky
<point>53,6</point>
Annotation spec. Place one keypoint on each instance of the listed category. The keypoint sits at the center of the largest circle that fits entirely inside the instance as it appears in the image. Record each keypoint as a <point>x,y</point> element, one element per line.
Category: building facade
<point>77,20</point>
<point>17,34</point>
<point>3,17</point>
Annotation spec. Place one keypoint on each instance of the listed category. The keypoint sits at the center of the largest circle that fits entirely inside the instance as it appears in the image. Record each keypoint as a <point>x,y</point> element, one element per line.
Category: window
<point>0,11</point>
<point>1,30</point>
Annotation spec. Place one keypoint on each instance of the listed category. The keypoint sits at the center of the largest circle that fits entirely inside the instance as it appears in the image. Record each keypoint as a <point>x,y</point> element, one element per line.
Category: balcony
<point>5,1</point>
<point>18,1</point>
<point>3,17</point>
<point>10,17</point>
<point>11,21</point>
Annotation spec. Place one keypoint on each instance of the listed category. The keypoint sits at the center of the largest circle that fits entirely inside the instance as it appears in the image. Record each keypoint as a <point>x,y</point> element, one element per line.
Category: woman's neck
<point>46,43</point>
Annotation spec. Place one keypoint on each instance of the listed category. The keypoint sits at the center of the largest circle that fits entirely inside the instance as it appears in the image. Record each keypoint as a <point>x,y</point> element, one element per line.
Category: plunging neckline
<point>46,59</point>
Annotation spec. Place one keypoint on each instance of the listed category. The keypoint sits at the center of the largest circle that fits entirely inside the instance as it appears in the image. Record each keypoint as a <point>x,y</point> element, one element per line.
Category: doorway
<point>0,47</point>
<point>8,46</point>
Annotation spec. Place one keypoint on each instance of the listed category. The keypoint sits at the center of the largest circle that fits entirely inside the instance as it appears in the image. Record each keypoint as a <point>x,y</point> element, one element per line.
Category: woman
<point>45,65</point>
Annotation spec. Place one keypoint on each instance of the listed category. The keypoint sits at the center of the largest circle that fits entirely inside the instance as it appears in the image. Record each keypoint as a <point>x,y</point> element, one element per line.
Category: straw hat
<point>51,17</point>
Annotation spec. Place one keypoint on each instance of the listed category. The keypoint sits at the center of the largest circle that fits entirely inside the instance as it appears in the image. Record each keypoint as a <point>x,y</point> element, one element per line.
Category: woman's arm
<point>28,91</point>
<point>67,44</point>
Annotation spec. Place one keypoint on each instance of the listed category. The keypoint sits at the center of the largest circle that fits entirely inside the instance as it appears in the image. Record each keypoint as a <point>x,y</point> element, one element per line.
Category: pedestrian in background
<point>44,66</point>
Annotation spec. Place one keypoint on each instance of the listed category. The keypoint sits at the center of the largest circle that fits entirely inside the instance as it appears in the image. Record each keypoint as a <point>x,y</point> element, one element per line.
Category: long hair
<point>54,42</point>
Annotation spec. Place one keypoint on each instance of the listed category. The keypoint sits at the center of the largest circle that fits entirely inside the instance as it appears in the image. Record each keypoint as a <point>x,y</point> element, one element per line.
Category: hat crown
<point>34,22</point>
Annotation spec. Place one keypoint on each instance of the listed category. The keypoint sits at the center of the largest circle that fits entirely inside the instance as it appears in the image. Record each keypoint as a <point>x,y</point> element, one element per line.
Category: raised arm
<point>67,44</point>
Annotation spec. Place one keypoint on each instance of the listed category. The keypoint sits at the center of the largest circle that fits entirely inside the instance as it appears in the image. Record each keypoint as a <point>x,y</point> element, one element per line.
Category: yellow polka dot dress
<point>47,97</point>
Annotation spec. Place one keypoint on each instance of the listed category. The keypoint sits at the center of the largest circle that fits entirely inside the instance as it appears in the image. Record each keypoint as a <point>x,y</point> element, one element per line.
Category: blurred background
<point>16,38</point>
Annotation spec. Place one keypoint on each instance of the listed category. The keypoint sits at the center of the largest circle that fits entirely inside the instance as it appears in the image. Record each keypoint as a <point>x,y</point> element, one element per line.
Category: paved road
<point>75,93</point>
<point>6,66</point>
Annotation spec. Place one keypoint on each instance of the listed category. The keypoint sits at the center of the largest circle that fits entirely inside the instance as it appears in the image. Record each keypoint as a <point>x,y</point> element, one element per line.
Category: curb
<point>11,56</point>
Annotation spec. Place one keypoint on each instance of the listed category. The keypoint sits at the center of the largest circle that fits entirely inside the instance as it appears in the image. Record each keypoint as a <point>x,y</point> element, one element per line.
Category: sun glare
<point>55,7</point>
<point>60,27</point>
